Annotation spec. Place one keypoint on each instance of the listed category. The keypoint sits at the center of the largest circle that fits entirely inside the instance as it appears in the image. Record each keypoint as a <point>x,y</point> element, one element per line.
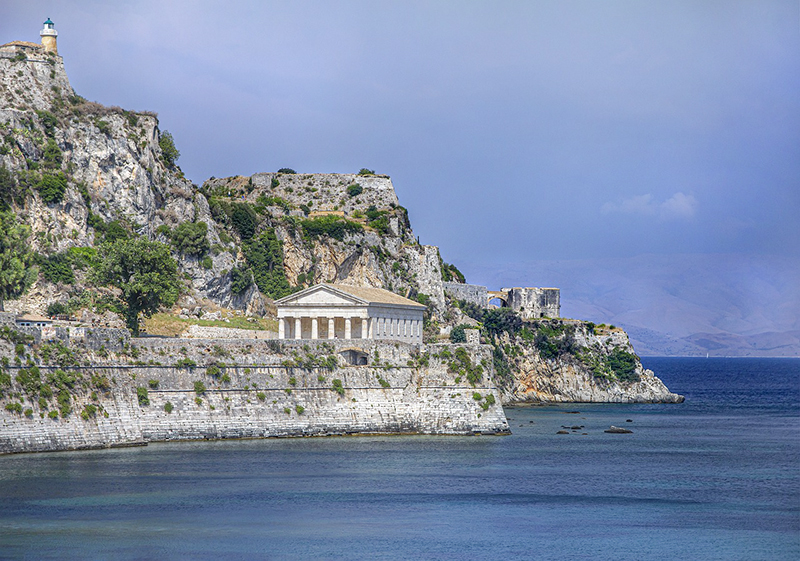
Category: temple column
<point>282,328</point>
<point>370,328</point>
<point>298,329</point>
<point>315,328</point>
<point>331,328</point>
<point>348,328</point>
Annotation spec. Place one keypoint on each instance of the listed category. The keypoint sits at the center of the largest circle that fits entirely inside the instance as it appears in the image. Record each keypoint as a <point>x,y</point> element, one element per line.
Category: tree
<point>168,150</point>
<point>144,271</point>
<point>17,269</point>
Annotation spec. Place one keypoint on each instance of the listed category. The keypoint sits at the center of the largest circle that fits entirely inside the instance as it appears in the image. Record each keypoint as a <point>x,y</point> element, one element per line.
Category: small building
<point>32,320</point>
<point>335,311</point>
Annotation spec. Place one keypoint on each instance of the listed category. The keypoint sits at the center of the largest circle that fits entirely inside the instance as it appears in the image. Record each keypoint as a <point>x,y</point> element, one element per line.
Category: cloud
<point>678,206</point>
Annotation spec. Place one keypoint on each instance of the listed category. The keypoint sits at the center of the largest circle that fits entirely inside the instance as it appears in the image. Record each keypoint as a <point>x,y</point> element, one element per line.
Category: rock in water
<point>618,430</point>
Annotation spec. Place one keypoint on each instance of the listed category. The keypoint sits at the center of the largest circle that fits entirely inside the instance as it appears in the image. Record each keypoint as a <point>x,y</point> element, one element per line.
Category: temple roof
<point>363,294</point>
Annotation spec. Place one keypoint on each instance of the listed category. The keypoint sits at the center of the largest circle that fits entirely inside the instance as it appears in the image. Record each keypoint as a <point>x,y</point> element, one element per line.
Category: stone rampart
<point>472,293</point>
<point>257,400</point>
<point>533,303</point>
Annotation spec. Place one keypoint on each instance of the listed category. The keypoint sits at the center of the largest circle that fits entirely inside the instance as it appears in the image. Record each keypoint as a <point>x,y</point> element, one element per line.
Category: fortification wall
<point>533,303</point>
<point>473,293</point>
<point>257,401</point>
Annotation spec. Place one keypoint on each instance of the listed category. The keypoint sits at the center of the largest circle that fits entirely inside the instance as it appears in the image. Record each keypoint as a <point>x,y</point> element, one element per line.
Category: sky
<point>515,132</point>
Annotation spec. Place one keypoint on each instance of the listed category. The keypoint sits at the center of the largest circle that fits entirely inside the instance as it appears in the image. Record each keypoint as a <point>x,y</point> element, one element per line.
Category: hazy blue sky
<point>513,131</point>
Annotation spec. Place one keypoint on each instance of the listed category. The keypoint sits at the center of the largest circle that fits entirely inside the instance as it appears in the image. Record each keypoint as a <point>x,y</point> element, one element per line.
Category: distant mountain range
<point>676,305</point>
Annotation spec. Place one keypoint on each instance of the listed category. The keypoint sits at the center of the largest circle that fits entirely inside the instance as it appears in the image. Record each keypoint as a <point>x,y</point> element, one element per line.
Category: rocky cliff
<point>79,174</point>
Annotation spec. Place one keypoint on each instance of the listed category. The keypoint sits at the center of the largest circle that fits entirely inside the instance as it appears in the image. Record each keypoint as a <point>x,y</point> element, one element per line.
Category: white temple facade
<point>334,311</point>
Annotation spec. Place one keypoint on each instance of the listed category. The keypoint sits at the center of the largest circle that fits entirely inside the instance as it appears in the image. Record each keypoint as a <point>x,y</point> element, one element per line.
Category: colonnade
<point>304,327</point>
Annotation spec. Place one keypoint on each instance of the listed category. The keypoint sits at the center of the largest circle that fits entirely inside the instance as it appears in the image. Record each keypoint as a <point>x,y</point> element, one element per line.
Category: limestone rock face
<point>569,377</point>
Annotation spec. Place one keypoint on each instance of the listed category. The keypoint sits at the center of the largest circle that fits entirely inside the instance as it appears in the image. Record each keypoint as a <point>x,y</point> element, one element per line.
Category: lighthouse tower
<point>49,35</point>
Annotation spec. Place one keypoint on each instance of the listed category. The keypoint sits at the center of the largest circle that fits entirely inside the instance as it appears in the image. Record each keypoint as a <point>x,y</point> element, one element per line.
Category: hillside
<point>91,190</point>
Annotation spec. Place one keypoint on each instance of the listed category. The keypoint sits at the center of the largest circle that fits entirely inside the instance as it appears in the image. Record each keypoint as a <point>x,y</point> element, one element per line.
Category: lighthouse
<point>49,35</point>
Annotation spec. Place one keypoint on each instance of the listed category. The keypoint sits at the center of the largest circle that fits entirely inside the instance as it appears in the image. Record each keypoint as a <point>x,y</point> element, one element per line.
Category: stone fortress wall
<point>472,293</point>
<point>529,302</point>
<point>264,398</point>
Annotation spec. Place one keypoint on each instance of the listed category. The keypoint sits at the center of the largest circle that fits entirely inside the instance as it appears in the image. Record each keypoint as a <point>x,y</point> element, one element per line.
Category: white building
<point>334,311</point>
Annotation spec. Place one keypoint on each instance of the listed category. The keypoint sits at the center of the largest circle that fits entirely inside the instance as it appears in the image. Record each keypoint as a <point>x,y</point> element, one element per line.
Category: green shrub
<point>225,378</point>
<point>337,386</point>
<point>384,384</point>
<point>141,394</point>
<point>89,412</point>
<point>292,381</point>
<point>331,226</point>
<point>102,126</point>
<point>501,320</point>
<point>191,238</point>
<point>355,190</point>
<point>57,268</point>
<point>19,349</point>
<point>476,396</point>
<point>51,187</point>
<point>380,224</point>
<point>264,255</point>
<point>153,384</point>
<point>14,407</point>
<point>199,387</point>
<point>457,334</point>
<point>287,410</point>
<point>52,414</point>
<point>286,170</point>
<point>30,379</point>
<point>241,279</point>
<point>261,396</point>
<point>450,273</point>
<point>243,218</point>
<point>52,154</point>
<point>365,171</point>
<point>623,364</point>
<point>207,263</point>
<point>48,120</point>
<point>299,409</point>
<point>114,231</point>
<point>198,401</point>
<point>28,412</point>
<point>213,370</point>
<point>82,257</point>
<point>64,403</point>
<point>185,363</point>
<point>168,407</point>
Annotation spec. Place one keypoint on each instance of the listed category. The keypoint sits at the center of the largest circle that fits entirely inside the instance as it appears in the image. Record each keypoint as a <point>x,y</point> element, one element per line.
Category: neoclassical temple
<point>334,311</point>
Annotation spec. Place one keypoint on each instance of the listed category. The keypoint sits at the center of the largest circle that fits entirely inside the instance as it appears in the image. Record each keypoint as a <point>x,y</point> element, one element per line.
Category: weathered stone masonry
<point>376,400</point>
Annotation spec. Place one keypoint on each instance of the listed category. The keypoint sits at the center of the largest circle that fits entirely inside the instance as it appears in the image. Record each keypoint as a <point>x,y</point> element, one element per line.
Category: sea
<point>716,477</point>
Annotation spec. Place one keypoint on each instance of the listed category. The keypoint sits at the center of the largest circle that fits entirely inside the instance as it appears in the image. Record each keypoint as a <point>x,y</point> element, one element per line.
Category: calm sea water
<point>717,477</point>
